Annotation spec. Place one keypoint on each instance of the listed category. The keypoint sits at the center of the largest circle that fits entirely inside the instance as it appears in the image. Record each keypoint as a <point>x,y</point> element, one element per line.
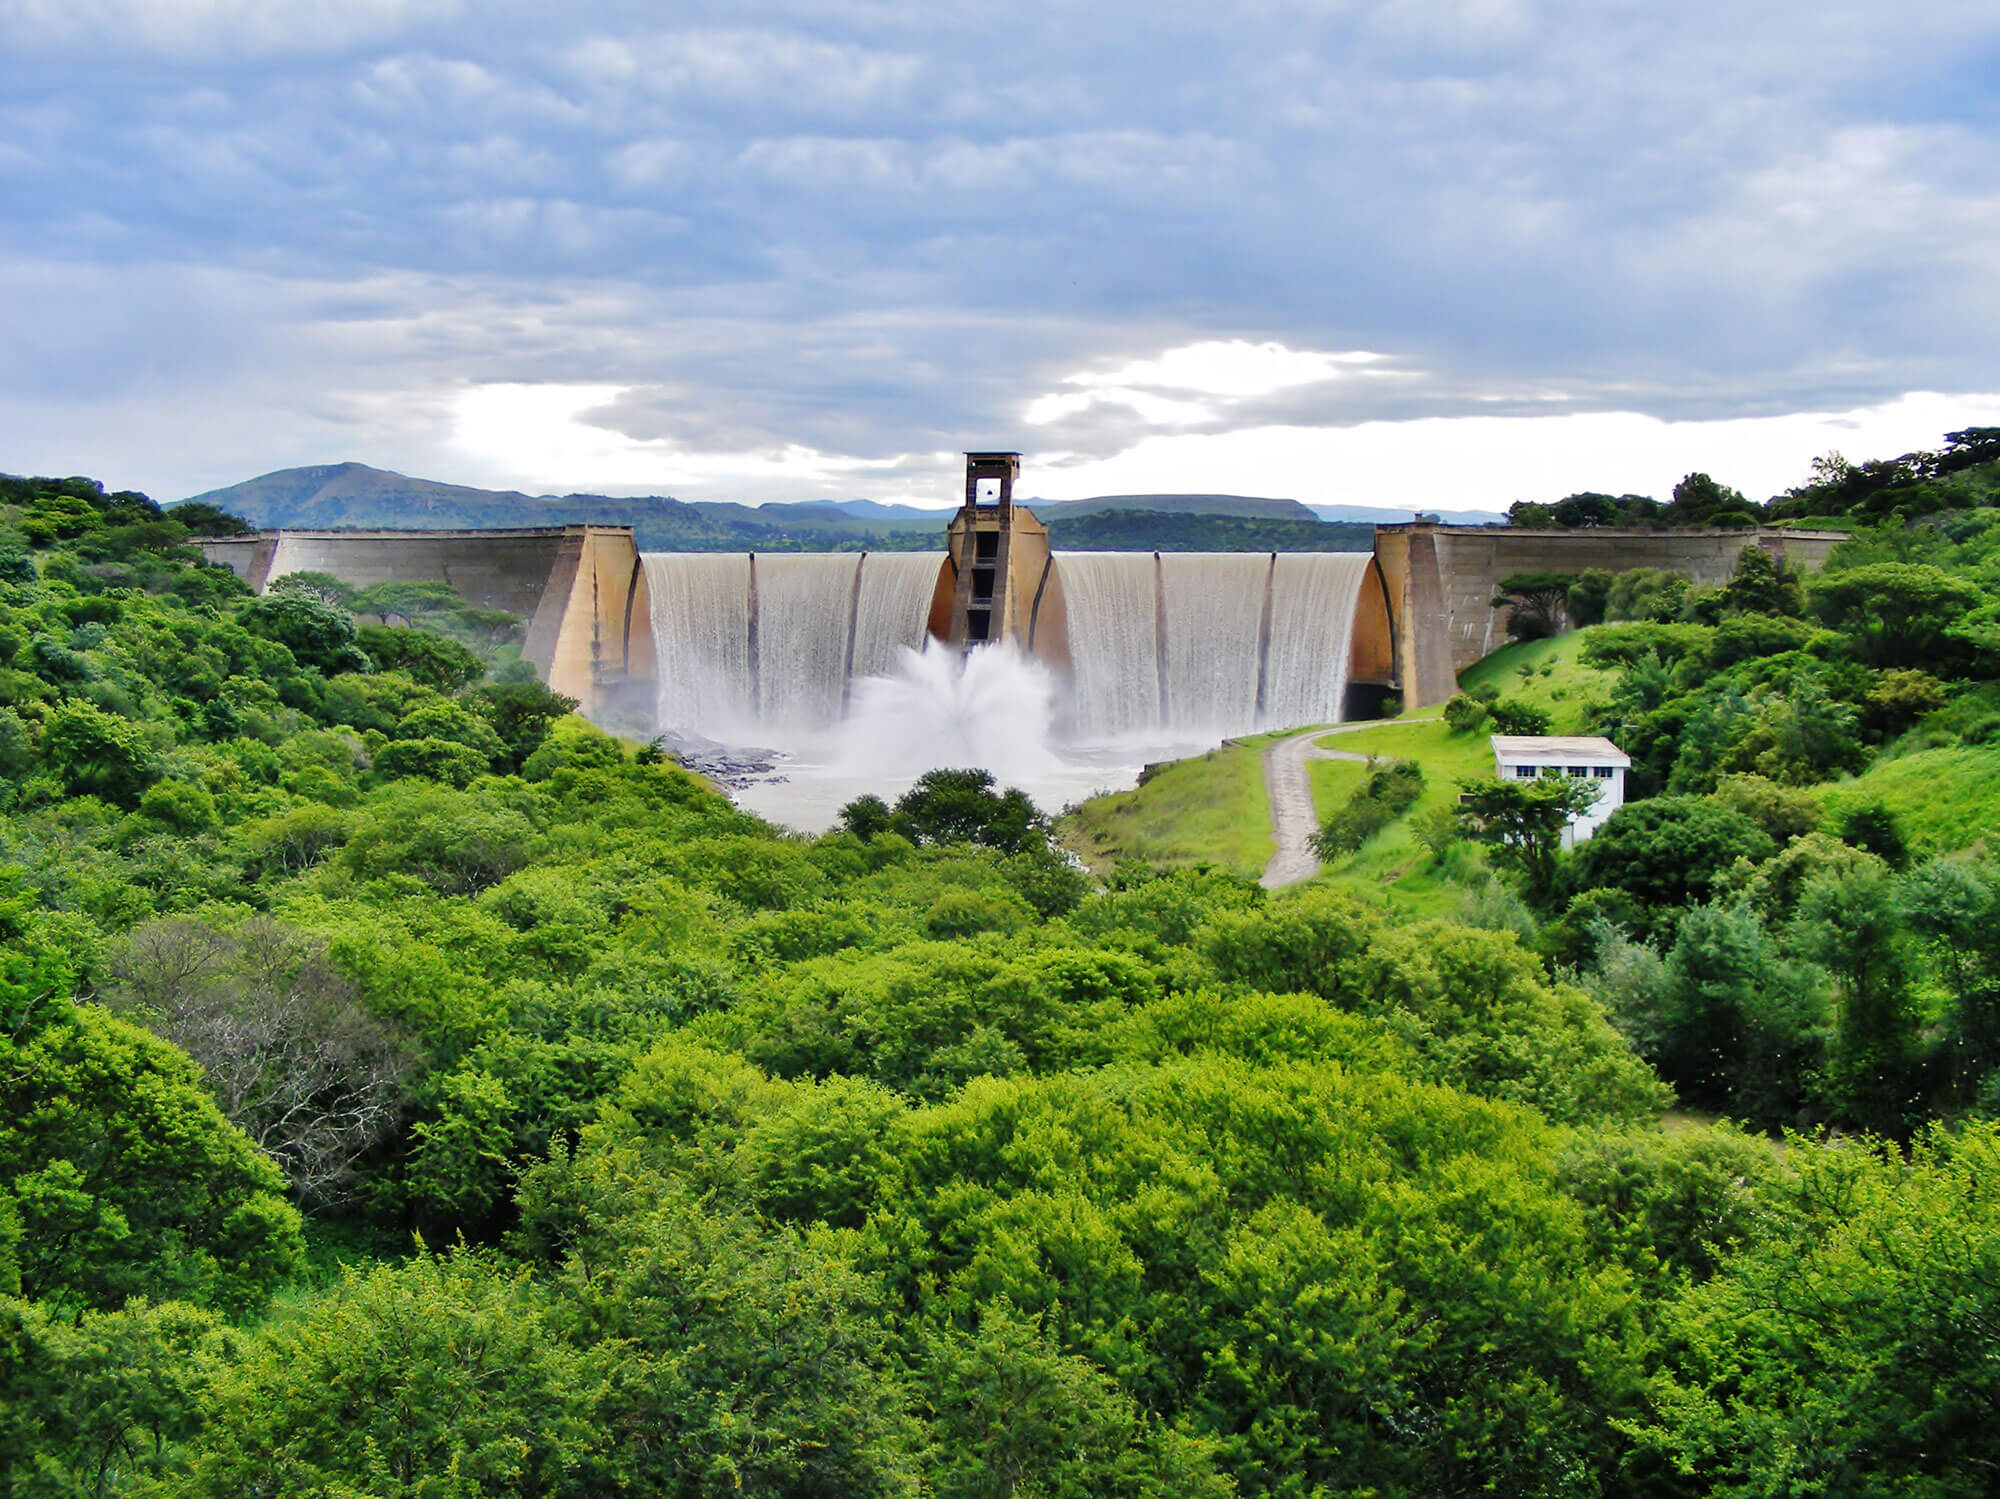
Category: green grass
<point>1212,808</point>
<point>1945,799</point>
<point>1392,867</point>
<point>1556,680</point>
<point>1209,809</point>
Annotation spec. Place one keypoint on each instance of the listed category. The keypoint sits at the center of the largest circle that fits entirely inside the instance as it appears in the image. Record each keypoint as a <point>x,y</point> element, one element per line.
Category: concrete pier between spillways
<point>1424,613</point>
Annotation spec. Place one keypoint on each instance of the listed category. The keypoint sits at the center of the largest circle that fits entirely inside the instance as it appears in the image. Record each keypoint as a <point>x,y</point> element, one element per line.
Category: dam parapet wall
<point>1441,579</point>
<point>579,590</point>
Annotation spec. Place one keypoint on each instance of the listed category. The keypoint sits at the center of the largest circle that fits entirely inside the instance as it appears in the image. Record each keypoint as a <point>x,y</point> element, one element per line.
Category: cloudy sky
<point>1402,252</point>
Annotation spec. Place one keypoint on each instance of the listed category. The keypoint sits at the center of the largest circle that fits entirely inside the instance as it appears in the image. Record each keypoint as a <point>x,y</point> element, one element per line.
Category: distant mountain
<point>1174,504</point>
<point>1162,531</point>
<point>1377,515</point>
<point>353,496</point>
<point>903,515</point>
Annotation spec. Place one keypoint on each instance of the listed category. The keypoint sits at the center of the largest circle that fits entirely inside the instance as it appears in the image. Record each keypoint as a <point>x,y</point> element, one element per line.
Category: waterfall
<point>1112,601</point>
<point>1208,643</point>
<point>770,649</point>
<point>701,640</point>
<point>753,649</point>
<point>1313,599</point>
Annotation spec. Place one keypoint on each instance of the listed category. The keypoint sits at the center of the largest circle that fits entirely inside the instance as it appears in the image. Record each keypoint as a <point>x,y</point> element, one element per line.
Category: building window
<point>1524,772</point>
<point>1602,772</point>
<point>1578,772</point>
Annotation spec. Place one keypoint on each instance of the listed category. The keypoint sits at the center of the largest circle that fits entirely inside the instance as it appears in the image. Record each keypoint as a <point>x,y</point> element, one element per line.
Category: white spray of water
<point>991,709</point>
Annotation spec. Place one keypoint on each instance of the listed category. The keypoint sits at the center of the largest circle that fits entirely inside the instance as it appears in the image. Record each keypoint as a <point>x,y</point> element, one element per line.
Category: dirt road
<point>1289,790</point>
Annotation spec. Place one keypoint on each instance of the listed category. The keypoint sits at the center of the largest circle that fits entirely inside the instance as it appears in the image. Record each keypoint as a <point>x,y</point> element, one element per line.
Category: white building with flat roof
<point>1528,757</point>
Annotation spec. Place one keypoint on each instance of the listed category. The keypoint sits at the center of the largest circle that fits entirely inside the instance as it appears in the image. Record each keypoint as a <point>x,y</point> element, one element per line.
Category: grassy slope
<point>1213,809</point>
<point>1559,682</point>
<point>1209,809</point>
<point>1944,798</point>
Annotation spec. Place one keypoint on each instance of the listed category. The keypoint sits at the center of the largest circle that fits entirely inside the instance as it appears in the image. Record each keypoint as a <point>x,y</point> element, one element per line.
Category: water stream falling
<point>761,649</point>
<point>1208,643</point>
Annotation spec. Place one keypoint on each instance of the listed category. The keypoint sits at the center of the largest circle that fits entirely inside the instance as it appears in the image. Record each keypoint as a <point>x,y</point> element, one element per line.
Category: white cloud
<point>1478,462</point>
<point>541,436</point>
<point>209,30</point>
<point>1197,383</point>
<point>787,72</point>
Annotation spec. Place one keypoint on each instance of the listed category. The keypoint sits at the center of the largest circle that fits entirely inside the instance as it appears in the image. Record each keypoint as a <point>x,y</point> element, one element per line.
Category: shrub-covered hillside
<point>410,1090</point>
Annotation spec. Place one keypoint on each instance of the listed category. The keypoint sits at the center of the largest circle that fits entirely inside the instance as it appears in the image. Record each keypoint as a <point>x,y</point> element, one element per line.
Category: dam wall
<point>1223,641</point>
<point>1440,580</point>
<point>579,589</point>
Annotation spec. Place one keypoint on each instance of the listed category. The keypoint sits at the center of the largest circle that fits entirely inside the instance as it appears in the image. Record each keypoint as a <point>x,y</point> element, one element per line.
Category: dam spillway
<point>748,646</point>
<point>1180,645</point>
<point>1208,643</point>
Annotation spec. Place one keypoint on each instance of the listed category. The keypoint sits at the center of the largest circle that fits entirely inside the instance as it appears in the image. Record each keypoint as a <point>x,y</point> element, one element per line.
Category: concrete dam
<point>739,646</point>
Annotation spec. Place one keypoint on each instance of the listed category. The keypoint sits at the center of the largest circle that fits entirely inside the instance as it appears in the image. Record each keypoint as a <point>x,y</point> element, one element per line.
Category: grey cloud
<point>877,229</point>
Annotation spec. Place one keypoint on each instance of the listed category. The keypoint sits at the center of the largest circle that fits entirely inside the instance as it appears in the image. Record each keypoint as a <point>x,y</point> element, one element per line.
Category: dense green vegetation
<point>1964,474</point>
<point>410,1090</point>
<point>1156,531</point>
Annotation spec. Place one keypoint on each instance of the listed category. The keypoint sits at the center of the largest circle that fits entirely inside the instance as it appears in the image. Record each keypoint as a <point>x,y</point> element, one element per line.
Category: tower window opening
<point>986,546</point>
<point>978,624</point>
<point>982,584</point>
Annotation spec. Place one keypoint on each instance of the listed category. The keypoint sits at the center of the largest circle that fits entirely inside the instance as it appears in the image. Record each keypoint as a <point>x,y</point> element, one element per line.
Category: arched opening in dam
<point>841,663</point>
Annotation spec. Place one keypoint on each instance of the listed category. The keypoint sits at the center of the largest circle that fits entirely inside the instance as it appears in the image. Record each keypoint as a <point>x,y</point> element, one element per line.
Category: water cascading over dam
<point>1174,646</point>
<point>1202,643</point>
<point>756,647</point>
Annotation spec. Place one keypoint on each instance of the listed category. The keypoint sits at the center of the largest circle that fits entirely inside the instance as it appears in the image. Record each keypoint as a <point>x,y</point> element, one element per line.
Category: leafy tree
<point>1668,852</point>
<point>317,633</point>
<point>432,659</point>
<point>1511,716</point>
<point>1385,793</point>
<point>440,1377</point>
<point>1847,1356</point>
<point>1872,826</point>
<point>1954,904</point>
<point>1848,921</point>
<point>1782,811</point>
<point>1524,822</point>
<point>953,806</point>
<point>1534,603</point>
<point>1588,597</point>
<point>95,753</point>
<point>753,1359</point>
<point>1896,613</point>
<point>105,1402</point>
<point>204,519</point>
<point>1763,583</point>
<point>124,1177</point>
<point>1011,1413</point>
<point>1700,501</point>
